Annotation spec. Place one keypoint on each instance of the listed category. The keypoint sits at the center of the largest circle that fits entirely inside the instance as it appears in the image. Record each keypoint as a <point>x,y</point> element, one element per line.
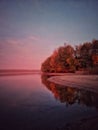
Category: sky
<point>30,30</point>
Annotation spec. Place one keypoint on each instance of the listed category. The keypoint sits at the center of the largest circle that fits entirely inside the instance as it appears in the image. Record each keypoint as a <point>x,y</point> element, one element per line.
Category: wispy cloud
<point>35,38</point>
<point>20,52</point>
<point>13,41</point>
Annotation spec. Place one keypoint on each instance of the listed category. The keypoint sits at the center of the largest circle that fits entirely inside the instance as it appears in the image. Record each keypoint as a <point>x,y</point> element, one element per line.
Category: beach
<point>88,82</point>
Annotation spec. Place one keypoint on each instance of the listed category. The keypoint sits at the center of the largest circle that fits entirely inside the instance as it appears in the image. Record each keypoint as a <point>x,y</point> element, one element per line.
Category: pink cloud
<point>35,38</point>
<point>38,38</point>
<point>28,52</point>
<point>13,41</point>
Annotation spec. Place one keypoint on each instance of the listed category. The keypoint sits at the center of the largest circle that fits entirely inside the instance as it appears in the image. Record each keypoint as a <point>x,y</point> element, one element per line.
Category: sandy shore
<point>88,82</point>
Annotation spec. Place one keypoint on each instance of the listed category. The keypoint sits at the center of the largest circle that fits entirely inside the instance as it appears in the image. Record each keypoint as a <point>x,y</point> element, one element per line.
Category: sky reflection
<point>26,103</point>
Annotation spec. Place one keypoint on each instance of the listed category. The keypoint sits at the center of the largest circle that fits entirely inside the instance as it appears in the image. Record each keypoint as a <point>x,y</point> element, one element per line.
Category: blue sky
<point>31,29</point>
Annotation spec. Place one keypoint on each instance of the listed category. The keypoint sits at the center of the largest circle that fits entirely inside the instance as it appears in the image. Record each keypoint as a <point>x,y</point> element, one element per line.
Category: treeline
<point>69,59</point>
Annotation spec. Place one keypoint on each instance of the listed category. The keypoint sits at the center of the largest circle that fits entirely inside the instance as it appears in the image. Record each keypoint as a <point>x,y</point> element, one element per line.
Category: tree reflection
<point>71,95</point>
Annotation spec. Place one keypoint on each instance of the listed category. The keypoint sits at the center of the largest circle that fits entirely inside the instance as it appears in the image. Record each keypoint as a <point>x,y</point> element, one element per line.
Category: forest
<point>66,58</point>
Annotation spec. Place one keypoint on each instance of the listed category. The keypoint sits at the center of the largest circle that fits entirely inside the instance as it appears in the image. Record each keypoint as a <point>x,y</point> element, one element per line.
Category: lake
<point>31,102</point>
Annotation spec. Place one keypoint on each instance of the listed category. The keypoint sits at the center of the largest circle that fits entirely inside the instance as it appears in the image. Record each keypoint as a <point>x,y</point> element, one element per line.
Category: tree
<point>58,61</point>
<point>68,59</point>
<point>95,53</point>
<point>83,55</point>
<point>46,65</point>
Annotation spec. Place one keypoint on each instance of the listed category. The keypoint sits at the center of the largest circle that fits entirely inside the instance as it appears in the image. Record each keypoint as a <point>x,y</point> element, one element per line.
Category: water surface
<point>30,102</point>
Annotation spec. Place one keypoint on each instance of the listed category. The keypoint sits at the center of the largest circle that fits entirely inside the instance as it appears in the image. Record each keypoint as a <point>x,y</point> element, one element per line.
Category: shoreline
<point>88,82</point>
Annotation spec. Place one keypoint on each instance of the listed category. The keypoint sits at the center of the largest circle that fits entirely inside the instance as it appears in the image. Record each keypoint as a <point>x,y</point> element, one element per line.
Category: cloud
<point>38,40</point>
<point>23,41</point>
<point>35,38</point>
<point>27,52</point>
<point>27,45</point>
<point>24,45</point>
<point>13,41</point>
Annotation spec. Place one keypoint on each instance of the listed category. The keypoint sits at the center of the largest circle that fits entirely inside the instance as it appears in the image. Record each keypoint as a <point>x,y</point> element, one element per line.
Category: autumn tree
<point>62,60</point>
<point>95,53</point>
<point>68,59</point>
<point>46,65</point>
<point>83,55</point>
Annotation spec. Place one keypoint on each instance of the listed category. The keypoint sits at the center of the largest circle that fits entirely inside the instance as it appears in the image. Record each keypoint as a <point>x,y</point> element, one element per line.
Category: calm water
<point>30,102</point>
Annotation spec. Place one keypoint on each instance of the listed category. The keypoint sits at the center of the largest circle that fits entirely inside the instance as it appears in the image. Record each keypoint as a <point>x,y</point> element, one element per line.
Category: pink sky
<point>30,30</point>
<point>27,53</point>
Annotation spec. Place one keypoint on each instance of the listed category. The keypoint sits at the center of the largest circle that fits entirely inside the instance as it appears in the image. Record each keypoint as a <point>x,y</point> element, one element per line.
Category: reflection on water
<point>27,103</point>
<point>71,95</point>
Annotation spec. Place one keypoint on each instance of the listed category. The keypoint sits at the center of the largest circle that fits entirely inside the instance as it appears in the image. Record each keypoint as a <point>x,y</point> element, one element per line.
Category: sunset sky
<point>30,30</point>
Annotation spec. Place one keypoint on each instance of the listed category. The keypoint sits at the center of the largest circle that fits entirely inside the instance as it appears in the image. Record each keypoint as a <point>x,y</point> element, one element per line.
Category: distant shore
<point>8,72</point>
